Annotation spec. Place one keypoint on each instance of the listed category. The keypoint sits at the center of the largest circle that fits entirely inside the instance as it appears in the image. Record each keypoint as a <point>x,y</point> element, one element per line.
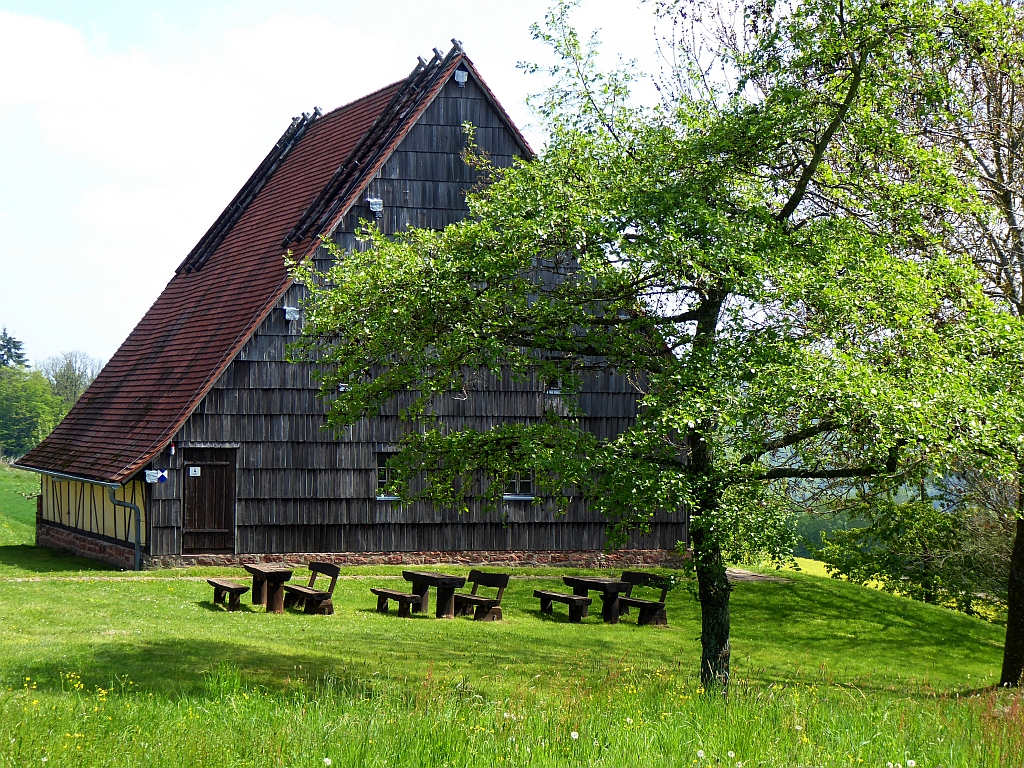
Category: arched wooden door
<point>209,519</point>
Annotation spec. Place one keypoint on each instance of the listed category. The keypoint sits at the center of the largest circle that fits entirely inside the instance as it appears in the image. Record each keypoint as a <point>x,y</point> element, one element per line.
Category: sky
<point>127,127</point>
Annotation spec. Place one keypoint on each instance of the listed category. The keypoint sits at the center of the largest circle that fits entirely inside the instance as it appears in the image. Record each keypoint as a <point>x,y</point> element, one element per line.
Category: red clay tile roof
<point>203,317</point>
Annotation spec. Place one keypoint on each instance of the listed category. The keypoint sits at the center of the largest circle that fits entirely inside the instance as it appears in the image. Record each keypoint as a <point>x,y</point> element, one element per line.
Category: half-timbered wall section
<point>86,508</point>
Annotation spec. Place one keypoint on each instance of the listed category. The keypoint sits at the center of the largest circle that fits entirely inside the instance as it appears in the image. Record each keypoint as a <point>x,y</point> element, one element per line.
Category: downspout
<point>138,525</point>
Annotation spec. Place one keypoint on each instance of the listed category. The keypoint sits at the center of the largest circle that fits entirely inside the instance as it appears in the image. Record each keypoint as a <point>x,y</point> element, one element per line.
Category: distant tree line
<point>34,400</point>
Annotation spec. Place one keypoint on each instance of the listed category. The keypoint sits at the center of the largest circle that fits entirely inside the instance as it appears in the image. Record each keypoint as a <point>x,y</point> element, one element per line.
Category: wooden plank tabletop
<point>269,571</point>
<point>434,579</point>
<point>596,583</point>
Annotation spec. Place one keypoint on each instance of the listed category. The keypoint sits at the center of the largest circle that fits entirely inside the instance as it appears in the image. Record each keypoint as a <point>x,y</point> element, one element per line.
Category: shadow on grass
<point>212,607</point>
<point>171,669</point>
<point>31,559</point>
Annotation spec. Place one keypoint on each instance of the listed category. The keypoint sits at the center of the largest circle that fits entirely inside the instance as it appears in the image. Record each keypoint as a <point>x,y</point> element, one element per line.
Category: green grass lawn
<point>100,667</point>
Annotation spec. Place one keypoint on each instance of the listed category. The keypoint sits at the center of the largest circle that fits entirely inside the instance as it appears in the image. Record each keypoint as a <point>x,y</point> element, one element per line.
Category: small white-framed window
<point>519,487</point>
<point>384,478</point>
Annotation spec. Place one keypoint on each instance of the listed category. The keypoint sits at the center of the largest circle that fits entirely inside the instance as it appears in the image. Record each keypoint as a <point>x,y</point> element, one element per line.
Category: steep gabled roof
<point>229,282</point>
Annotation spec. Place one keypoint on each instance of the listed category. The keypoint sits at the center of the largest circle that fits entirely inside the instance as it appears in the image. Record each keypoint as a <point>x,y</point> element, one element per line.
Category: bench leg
<point>405,609</point>
<point>461,609</point>
<point>290,599</point>
<point>576,613</point>
<point>653,616</point>
<point>382,604</point>
<point>483,613</point>
<point>234,601</point>
<point>581,592</point>
<point>322,607</point>
<point>218,595</point>
<point>545,605</point>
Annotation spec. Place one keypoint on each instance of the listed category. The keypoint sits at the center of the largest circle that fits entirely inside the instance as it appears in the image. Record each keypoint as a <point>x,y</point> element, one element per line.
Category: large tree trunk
<point>1013,651</point>
<point>713,590</point>
<point>712,583</point>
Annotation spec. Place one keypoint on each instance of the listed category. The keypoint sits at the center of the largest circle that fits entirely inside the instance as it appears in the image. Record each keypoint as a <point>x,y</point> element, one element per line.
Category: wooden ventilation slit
<point>209,243</point>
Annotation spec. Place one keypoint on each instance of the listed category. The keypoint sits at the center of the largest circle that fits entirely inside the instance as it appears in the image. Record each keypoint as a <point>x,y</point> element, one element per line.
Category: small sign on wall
<point>195,471</point>
<point>156,475</point>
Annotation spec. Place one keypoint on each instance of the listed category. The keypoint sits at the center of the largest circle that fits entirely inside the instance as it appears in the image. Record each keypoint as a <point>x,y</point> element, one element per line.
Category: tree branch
<point>827,425</point>
<point>826,139</point>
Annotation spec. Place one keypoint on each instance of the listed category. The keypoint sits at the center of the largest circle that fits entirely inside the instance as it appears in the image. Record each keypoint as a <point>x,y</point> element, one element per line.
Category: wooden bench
<point>230,588</point>
<point>650,611</point>
<point>312,599</point>
<point>406,600</point>
<point>577,603</point>
<point>486,608</point>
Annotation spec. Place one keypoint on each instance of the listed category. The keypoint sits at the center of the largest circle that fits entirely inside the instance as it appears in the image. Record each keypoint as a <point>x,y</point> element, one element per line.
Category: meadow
<point>107,668</point>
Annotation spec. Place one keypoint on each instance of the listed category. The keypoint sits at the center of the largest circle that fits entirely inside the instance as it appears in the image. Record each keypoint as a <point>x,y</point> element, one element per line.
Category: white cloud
<point>171,140</point>
<point>132,154</point>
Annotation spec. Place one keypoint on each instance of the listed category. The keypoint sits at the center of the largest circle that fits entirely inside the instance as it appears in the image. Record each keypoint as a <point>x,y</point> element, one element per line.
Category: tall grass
<point>362,717</point>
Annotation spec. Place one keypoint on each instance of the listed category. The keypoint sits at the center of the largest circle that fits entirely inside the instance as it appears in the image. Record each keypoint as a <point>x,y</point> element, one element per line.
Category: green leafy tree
<point>761,254</point>
<point>981,129</point>
<point>987,141</point>
<point>28,410</point>
<point>956,557</point>
<point>11,352</point>
<point>70,374</point>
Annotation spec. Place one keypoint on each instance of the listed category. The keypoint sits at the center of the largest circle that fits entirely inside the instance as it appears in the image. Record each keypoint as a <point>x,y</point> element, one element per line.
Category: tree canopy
<point>12,353</point>
<point>763,255</point>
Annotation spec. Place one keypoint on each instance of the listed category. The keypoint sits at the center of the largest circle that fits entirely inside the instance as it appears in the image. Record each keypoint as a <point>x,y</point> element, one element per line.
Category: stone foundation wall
<point>83,545</point>
<point>124,557</point>
<point>577,559</point>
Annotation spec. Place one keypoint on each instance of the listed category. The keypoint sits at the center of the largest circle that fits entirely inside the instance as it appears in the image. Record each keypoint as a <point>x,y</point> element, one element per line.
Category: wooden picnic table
<point>609,589</point>
<point>268,584</point>
<point>445,584</point>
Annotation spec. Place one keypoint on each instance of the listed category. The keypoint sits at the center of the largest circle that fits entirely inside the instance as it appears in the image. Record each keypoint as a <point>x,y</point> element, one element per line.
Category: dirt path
<point>738,574</point>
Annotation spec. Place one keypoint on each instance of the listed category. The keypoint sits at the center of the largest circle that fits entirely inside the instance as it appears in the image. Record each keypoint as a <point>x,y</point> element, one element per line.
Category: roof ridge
<point>420,82</point>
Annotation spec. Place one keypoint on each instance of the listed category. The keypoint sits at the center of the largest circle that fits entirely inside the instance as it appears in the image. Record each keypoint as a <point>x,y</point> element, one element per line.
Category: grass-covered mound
<point>108,668</point>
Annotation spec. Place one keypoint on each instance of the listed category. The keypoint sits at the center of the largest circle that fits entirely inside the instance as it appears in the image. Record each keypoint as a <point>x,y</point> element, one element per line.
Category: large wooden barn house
<point>199,442</point>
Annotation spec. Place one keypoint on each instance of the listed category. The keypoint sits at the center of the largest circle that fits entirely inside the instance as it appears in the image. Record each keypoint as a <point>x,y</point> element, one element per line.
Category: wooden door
<point>209,524</point>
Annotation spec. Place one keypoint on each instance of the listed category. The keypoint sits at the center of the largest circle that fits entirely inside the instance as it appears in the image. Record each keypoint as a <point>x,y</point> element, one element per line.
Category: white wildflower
<point>327,761</point>
<point>574,735</point>
<point>700,753</point>
<point>911,764</point>
<point>629,720</point>
<point>730,753</point>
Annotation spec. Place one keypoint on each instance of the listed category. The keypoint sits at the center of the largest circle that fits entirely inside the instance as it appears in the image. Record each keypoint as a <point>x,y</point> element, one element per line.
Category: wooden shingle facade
<point>229,458</point>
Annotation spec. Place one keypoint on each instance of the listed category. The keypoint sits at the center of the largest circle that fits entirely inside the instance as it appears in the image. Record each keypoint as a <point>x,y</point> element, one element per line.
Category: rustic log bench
<point>486,608</point>
<point>577,603</point>
<point>312,599</point>
<point>406,600</point>
<point>650,611</point>
<point>233,590</point>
